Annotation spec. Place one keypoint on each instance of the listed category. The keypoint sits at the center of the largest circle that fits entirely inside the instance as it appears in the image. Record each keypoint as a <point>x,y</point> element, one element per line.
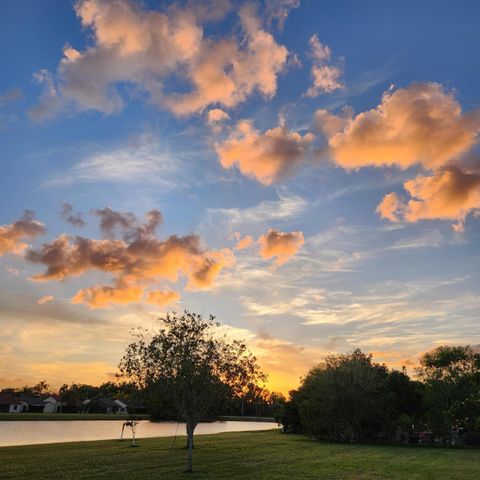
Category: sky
<point>306,171</point>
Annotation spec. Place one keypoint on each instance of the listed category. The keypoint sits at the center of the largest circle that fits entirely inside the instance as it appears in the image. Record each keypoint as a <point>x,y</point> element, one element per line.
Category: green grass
<point>252,455</point>
<point>66,416</point>
<point>245,418</point>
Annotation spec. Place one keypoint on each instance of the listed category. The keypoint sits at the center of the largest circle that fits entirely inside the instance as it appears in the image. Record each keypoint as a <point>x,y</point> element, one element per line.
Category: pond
<point>34,432</point>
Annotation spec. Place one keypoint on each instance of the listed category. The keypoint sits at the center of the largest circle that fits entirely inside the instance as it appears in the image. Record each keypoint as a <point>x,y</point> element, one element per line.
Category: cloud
<point>8,109</point>
<point>50,102</point>
<point>243,243</point>
<point>11,95</point>
<point>135,261</point>
<point>448,194</point>
<point>278,10</point>
<point>281,245</point>
<point>102,296</point>
<point>73,218</point>
<point>127,223</point>
<point>125,164</point>
<point>326,78</point>
<point>267,157</point>
<point>390,207</point>
<point>12,236</point>
<point>45,299</point>
<point>421,124</point>
<point>162,298</point>
<point>147,48</point>
<point>216,117</point>
<point>282,211</point>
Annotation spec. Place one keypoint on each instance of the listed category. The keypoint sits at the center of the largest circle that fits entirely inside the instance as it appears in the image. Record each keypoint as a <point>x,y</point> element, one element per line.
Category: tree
<point>345,398</point>
<point>451,375</point>
<point>40,389</point>
<point>195,365</point>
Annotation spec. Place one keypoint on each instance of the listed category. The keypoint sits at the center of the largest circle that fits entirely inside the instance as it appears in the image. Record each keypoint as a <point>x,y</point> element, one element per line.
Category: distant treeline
<point>159,404</point>
<point>350,398</point>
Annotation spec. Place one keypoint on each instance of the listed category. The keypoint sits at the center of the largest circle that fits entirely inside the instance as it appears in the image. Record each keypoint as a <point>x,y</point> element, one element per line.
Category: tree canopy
<point>189,360</point>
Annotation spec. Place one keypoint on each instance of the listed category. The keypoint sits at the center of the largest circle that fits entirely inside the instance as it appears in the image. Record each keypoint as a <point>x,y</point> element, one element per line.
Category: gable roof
<point>32,401</point>
<point>105,401</point>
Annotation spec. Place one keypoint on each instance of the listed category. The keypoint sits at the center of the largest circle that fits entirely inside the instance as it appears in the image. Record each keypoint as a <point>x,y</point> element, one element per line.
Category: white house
<point>52,404</point>
<point>10,404</point>
<point>123,407</point>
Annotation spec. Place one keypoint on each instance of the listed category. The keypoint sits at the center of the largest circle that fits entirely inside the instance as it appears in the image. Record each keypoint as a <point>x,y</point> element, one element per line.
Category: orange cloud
<point>45,299</point>
<point>215,117</point>
<point>326,78</point>
<point>226,73</point>
<point>421,124</point>
<point>390,207</point>
<point>162,298</point>
<point>281,245</point>
<point>448,194</point>
<point>101,296</point>
<point>267,157</point>
<point>12,236</point>
<point>135,261</point>
<point>209,269</point>
<point>146,47</point>
<point>243,243</point>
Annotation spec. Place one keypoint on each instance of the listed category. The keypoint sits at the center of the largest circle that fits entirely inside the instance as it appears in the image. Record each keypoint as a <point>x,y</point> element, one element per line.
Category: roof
<point>54,396</point>
<point>131,403</point>
<point>32,401</point>
<point>105,401</point>
<point>9,399</point>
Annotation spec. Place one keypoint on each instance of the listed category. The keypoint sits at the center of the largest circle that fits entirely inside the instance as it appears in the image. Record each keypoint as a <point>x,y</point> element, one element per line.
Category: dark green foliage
<point>346,398</point>
<point>451,376</point>
<point>351,398</point>
<point>190,365</point>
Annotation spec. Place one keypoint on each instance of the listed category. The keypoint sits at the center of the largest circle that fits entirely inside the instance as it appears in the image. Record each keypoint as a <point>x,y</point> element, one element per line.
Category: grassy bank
<point>66,416</point>
<point>259,455</point>
<point>238,418</point>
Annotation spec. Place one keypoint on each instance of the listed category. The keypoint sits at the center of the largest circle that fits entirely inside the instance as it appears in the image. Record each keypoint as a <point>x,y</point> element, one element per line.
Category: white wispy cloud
<point>144,159</point>
<point>286,208</point>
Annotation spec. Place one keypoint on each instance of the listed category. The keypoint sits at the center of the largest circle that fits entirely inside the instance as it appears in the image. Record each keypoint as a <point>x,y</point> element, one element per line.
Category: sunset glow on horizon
<point>308,172</point>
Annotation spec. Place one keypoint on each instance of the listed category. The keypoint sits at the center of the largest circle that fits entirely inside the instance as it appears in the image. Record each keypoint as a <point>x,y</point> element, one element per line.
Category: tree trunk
<point>190,429</point>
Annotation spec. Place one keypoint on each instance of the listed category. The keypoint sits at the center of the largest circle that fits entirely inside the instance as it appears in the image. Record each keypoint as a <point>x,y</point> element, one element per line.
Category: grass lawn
<point>252,455</point>
<point>66,416</point>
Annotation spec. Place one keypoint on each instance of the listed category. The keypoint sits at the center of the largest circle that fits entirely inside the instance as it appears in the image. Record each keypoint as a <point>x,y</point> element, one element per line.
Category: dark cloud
<point>71,217</point>
<point>135,261</point>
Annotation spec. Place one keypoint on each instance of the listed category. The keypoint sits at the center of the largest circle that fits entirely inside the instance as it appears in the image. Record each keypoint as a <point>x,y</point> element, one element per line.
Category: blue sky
<point>337,140</point>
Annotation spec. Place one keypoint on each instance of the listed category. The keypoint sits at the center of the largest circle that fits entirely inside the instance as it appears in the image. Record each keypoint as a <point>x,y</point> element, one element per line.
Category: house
<point>32,404</point>
<point>123,405</point>
<point>130,406</point>
<point>10,403</point>
<point>102,405</point>
<point>53,404</point>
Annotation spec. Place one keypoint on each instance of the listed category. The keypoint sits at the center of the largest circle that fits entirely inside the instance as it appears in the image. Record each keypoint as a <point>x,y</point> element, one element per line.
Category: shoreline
<point>48,417</point>
<point>66,417</point>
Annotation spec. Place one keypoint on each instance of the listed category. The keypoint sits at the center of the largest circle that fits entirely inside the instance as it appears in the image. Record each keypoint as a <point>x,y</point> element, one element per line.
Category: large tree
<point>345,398</point>
<point>451,375</point>
<point>194,364</point>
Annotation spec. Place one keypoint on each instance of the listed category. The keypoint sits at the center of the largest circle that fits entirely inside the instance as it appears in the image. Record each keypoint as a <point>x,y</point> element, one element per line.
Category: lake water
<point>34,432</point>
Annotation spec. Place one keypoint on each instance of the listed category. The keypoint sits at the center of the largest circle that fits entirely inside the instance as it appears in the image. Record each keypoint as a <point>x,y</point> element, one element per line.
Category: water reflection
<point>34,432</point>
